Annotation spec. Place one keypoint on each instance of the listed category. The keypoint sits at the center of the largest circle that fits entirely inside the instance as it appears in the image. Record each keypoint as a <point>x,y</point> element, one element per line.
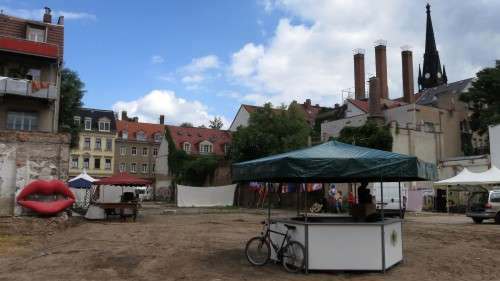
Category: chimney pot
<point>60,20</point>
<point>407,72</point>
<point>47,17</point>
<point>135,119</point>
<point>359,74</point>
<point>162,119</point>
<point>124,116</point>
<point>381,67</point>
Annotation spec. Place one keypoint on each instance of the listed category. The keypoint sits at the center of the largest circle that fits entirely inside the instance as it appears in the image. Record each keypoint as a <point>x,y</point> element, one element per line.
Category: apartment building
<point>137,146</point>
<point>31,55</point>
<point>96,143</point>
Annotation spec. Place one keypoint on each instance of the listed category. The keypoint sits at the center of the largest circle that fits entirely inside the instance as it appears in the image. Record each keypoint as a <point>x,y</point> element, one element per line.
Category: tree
<point>72,91</point>
<point>187,125</point>
<point>216,123</point>
<point>484,99</point>
<point>369,135</point>
<point>270,131</point>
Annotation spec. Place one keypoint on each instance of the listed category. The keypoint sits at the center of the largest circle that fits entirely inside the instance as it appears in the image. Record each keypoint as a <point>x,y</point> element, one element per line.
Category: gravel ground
<point>170,244</point>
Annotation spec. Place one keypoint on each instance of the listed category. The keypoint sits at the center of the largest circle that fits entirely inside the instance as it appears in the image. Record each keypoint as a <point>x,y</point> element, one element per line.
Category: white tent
<point>80,186</point>
<point>466,177</point>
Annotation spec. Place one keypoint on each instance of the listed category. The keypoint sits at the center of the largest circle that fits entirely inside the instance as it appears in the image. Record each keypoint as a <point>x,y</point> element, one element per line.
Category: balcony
<point>23,46</point>
<point>27,88</point>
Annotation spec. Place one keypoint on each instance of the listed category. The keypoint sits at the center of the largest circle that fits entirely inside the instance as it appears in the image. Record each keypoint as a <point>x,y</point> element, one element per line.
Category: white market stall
<point>358,242</point>
<point>81,186</point>
<point>209,196</point>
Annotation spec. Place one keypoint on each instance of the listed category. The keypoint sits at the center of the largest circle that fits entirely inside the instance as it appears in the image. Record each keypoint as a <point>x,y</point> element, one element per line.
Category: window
<point>122,167</point>
<point>109,144</point>
<point>124,135</point>
<point>107,164</point>
<point>187,147</point>
<point>104,126</point>
<point>77,120</point>
<point>23,121</point>
<point>123,151</point>
<point>144,151</point>
<point>155,151</point>
<point>134,150</point>
<point>97,163</point>
<point>153,168</point>
<point>86,143</point>
<point>36,34</point>
<point>141,136</point>
<point>145,168</point>
<point>205,148</point>
<point>132,167</point>
<point>74,162</point>
<point>226,148</point>
<point>86,162</point>
<point>34,74</point>
<point>157,137</point>
<point>98,143</point>
<point>88,124</point>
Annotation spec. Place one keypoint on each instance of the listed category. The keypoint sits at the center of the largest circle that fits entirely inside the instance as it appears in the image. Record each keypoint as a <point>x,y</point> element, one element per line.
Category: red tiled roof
<point>29,47</point>
<point>361,104</point>
<point>386,104</point>
<point>194,136</point>
<point>133,128</point>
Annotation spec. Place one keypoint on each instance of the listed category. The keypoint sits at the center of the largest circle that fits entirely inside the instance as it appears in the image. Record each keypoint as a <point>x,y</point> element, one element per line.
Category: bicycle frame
<point>267,235</point>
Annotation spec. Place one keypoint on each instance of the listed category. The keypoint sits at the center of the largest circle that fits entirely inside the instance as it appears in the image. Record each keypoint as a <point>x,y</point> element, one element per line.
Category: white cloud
<point>311,55</point>
<point>37,14</point>
<point>176,110</point>
<point>202,64</point>
<point>191,79</point>
<point>232,95</point>
<point>157,59</point>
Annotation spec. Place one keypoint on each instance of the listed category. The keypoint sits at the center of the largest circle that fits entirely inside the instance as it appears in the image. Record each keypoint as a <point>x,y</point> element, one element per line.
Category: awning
<point>335,162</point>
<point>22,46</point>
<point>83,180</point>
<point>466,177</point>
<point>123,179</point>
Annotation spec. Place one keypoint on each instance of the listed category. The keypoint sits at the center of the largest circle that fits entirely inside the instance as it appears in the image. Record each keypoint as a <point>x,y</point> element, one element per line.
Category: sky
<point>192,60</point>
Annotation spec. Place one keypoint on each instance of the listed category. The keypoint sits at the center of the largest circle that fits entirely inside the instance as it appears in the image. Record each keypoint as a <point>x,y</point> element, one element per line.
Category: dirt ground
<point>170,245</point>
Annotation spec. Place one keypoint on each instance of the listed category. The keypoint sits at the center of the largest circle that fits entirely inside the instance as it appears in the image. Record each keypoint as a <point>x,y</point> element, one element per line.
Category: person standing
<point>338,201</point>
<point>350,199</point>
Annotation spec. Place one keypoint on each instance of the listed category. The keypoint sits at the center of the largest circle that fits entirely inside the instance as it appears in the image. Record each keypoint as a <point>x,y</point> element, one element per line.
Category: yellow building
<point>96,143</point>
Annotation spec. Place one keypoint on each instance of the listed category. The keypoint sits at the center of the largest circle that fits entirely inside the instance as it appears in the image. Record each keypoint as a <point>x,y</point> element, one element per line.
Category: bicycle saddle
<point>290,226</point>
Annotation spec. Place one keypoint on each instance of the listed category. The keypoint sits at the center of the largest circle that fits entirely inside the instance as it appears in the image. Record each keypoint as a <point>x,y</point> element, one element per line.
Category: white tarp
<point>466,177</point>
<point>210,196</point>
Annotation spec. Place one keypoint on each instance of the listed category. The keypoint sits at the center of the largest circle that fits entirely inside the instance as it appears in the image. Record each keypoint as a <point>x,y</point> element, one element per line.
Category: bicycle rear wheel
<point>258,251</point>
<point>294,257</point>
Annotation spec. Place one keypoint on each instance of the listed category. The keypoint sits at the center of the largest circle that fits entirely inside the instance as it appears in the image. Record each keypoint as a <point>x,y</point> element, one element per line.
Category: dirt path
<point>210,247</point>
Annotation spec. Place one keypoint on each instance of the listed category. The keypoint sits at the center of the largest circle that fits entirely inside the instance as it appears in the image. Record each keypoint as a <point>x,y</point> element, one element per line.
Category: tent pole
<point>400,209</point>
<point>382,229</point>
<point>297,191</point>
<point>447,199</point>
<point>268,204</point>
<point>306,234</point>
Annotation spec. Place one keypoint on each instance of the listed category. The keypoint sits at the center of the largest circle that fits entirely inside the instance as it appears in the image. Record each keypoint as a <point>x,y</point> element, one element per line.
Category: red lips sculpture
<point>52,187</point>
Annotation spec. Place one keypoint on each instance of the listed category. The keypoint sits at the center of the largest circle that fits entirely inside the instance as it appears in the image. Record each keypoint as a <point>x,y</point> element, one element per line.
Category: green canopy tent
<point>335,162</point>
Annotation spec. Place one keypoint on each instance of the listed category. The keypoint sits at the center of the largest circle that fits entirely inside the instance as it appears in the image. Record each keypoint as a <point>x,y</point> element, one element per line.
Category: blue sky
<point>193,60</point>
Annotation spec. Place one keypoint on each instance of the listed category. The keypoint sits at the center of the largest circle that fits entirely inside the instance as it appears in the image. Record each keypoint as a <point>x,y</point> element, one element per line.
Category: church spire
<point>432,73</point>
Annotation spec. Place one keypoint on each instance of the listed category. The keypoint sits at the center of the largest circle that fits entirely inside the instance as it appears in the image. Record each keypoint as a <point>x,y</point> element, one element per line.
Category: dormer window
<point>124,135</point>
<point>141,136</point>
<point>76,120</point>
<point>88,124</point>
<point>157,137</point>
<point>187,147</point>
<point>36,34</point>
<point>104,125</point>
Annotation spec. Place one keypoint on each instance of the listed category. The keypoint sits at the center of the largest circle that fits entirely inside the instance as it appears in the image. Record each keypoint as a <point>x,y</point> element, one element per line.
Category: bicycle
<point>291,253</point>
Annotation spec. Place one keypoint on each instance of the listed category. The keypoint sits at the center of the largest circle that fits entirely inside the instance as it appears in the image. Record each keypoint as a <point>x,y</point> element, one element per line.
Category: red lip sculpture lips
<point>53,187</point>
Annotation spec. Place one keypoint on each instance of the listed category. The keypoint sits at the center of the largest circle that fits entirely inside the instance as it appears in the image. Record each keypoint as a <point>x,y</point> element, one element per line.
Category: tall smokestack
<point>407,63</point>
<point>374,105</point>
<point>359,74</point>
<point>381,67</point>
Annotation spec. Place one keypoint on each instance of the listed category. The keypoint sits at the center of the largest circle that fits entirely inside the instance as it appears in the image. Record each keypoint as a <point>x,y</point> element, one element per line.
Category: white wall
<point>333,128</point>
<point>353,110</point>
<point>241,119</point>
<point>494,133</point>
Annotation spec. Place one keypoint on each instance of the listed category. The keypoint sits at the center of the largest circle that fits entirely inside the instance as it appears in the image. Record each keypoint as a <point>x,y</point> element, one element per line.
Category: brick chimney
<point>381,67</point>
<point>47,17</point>
<point>407,70</point>
<point>307,104</point>
<point>374,104</point>
<point>124,116</point>
<point>60,20</point>
<point>162,119</point>
<point>359,74</point>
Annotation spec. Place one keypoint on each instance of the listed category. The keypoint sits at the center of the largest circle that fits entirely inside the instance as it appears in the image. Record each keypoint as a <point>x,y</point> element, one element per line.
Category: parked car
<point>484,206</point>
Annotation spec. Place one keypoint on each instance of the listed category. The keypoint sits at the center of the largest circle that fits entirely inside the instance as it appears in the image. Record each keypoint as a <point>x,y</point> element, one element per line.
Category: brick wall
<point>27,156</point>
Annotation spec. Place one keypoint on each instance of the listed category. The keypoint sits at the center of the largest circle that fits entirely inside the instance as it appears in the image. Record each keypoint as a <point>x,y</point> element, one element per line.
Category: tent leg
<point>400,198</point>
<point>382,229</point>
<point>306,235</point>
<point>268,204</point>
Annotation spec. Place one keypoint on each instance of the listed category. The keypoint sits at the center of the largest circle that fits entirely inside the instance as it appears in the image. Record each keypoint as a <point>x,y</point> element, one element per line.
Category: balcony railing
<point>27,88</point>
<point>23,46</point>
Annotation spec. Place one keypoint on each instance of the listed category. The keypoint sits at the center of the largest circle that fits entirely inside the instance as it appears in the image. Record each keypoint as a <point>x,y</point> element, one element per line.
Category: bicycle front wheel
<point>258,251</point>
<point>294,257</point>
